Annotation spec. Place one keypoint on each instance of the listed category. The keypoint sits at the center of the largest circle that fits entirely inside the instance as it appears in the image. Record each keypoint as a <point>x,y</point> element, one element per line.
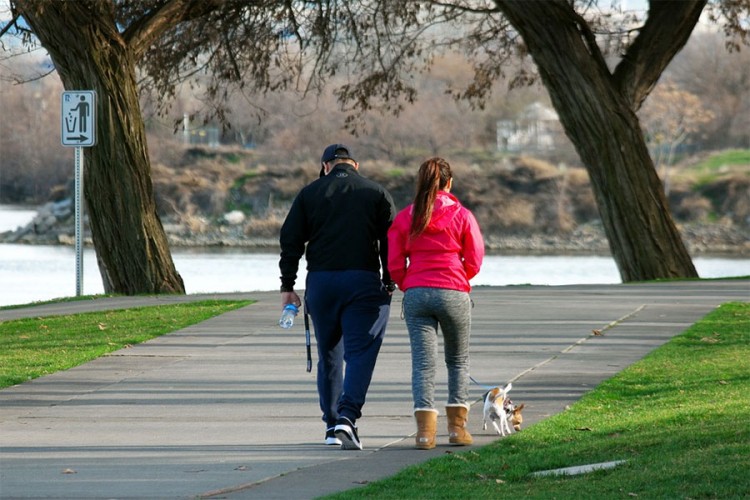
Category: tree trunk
<point>89,54</point>
<point>602,124</point>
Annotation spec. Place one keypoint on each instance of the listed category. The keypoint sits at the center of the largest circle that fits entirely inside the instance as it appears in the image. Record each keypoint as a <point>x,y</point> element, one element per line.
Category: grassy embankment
<point>33,347</point>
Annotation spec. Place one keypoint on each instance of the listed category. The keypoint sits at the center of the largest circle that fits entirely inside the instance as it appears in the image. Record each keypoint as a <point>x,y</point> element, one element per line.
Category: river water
<point>30,273</point>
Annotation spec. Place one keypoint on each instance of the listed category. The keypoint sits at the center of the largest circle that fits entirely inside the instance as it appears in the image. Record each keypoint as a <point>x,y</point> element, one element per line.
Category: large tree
<point>90,53</point>
<point>598,111</point>
<point>597,108</point>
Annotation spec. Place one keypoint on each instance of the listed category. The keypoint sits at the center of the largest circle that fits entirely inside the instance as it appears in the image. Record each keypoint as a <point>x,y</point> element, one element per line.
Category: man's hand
<point>290,298</point>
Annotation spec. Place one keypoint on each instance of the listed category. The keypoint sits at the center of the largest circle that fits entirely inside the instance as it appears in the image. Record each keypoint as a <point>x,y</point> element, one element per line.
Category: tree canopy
<point>598,65</point>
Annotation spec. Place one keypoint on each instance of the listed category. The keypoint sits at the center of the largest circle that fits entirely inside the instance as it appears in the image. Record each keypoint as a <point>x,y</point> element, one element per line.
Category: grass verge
<point>76,298</point>
<point>30,348</point>
<point>679,418</point>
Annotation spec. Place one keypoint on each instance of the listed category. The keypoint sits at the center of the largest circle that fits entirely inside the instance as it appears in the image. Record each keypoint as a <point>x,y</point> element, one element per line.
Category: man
<point>343,220</point>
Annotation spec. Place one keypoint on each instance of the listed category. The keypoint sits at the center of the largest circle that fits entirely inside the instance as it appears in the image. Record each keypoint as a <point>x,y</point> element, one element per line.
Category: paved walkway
<point>225,408</point>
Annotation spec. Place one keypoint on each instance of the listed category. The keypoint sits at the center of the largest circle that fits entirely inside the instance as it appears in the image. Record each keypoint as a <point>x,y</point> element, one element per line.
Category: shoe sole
<point>347,441</point>
<point>333,441</point>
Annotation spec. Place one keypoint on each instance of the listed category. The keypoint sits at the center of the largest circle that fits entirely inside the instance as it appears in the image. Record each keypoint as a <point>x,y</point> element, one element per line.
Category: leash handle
<point>307,340</point>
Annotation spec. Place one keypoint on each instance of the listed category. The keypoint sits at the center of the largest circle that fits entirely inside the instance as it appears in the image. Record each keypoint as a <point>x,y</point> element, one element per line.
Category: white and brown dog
<point>499,408</point>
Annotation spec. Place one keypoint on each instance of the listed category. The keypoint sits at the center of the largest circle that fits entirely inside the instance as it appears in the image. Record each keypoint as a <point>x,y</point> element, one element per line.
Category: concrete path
<point>225,408</point>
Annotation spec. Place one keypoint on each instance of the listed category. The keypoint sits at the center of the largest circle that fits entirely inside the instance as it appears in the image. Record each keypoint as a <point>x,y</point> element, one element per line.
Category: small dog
<point>499,408</point>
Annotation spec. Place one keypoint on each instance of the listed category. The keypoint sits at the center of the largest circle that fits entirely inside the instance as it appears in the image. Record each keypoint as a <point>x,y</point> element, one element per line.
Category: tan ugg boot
<point>426,428</point>
<point>458,415</point>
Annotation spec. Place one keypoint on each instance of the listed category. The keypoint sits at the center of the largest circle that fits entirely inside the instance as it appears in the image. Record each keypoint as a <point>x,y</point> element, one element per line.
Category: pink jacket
<point>446,255</point>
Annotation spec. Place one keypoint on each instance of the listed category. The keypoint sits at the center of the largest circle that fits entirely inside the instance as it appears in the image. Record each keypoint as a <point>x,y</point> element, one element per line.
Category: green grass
<point>680,418</point>
<point>30,348</point>
<point>57,301</point>
<point>726,158</point>
<point>723,164</point>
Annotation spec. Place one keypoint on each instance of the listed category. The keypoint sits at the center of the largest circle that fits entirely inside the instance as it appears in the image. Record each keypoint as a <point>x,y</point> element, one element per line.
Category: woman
<point>434,248</point>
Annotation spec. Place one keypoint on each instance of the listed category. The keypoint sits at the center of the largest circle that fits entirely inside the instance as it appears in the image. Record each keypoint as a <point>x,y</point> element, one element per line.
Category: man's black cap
<point>336,152</point>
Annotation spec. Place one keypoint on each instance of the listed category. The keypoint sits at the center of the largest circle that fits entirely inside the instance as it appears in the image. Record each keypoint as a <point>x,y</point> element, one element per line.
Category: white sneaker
<point>346,431</point>
<point>331,438</point>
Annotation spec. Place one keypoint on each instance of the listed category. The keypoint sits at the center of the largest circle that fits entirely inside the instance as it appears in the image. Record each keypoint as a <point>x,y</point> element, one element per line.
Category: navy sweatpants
<point>350,312</point>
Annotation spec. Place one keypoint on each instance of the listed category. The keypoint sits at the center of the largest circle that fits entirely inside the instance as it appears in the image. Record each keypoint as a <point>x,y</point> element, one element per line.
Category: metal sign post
<point>78,210</point>
<point>79,130</point>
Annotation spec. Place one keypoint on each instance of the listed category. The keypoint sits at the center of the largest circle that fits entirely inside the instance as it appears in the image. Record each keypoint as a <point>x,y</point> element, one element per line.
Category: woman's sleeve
<point>473,246</point>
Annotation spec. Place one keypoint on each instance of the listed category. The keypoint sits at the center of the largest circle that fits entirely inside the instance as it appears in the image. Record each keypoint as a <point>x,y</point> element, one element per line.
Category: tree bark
<point>89,54</point>
<point>599,117</point>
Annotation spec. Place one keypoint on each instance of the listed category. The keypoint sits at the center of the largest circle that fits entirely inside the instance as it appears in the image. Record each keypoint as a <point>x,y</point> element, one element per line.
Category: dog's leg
<point>494,423</point>
<point>503,418</point>
<point>505,426</point>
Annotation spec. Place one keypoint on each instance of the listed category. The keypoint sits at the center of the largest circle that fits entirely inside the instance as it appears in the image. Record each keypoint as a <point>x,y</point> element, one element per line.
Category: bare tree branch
<point>142,33</point>
<point>9,25</point>
<point>654,48</point>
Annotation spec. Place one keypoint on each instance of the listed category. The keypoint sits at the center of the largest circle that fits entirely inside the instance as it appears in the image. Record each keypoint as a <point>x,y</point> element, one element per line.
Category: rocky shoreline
<point>54,225</point>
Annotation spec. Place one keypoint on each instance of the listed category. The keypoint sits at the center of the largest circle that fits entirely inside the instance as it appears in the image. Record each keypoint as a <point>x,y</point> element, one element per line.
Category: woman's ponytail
<point>434,174</point>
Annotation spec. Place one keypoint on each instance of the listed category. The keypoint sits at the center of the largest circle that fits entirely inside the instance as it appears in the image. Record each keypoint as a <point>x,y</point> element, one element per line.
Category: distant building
<point>207,136</point>
<point>536,129</point>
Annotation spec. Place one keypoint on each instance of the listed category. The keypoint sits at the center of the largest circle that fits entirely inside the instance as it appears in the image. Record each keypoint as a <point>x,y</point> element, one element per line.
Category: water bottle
<point>287,316</point>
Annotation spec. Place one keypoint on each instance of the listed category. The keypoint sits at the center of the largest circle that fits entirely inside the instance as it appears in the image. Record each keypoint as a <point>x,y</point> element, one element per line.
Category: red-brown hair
<point>434,174</point>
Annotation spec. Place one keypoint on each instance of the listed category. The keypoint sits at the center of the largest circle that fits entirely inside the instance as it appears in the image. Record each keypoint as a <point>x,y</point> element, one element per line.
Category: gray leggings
<point>425,309</point>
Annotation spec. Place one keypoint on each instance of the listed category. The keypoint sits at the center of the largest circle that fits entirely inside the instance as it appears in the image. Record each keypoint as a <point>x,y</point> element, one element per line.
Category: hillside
<point>214,197</point>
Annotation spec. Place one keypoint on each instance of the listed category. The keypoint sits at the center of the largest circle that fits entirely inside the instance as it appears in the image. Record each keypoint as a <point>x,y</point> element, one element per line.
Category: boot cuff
<point>458,405</point>
<point>426,409</point>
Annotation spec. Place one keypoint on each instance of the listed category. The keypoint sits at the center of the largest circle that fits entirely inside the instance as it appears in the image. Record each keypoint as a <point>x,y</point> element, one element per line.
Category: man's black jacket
<point>344,219</point>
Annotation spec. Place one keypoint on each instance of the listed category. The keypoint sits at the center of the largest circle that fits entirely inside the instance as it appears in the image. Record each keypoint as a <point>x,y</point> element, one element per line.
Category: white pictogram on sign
<point>79,118</point>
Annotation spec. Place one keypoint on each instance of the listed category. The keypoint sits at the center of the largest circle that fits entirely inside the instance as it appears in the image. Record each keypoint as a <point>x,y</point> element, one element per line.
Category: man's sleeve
<point>388,213</point>
<point>292,242</point>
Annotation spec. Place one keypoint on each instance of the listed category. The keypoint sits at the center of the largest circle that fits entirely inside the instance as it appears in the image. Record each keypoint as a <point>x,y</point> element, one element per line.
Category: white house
<point>537,128</point>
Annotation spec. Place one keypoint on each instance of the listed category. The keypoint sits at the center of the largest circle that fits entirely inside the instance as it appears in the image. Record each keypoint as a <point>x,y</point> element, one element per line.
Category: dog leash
<point>488,387</point>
